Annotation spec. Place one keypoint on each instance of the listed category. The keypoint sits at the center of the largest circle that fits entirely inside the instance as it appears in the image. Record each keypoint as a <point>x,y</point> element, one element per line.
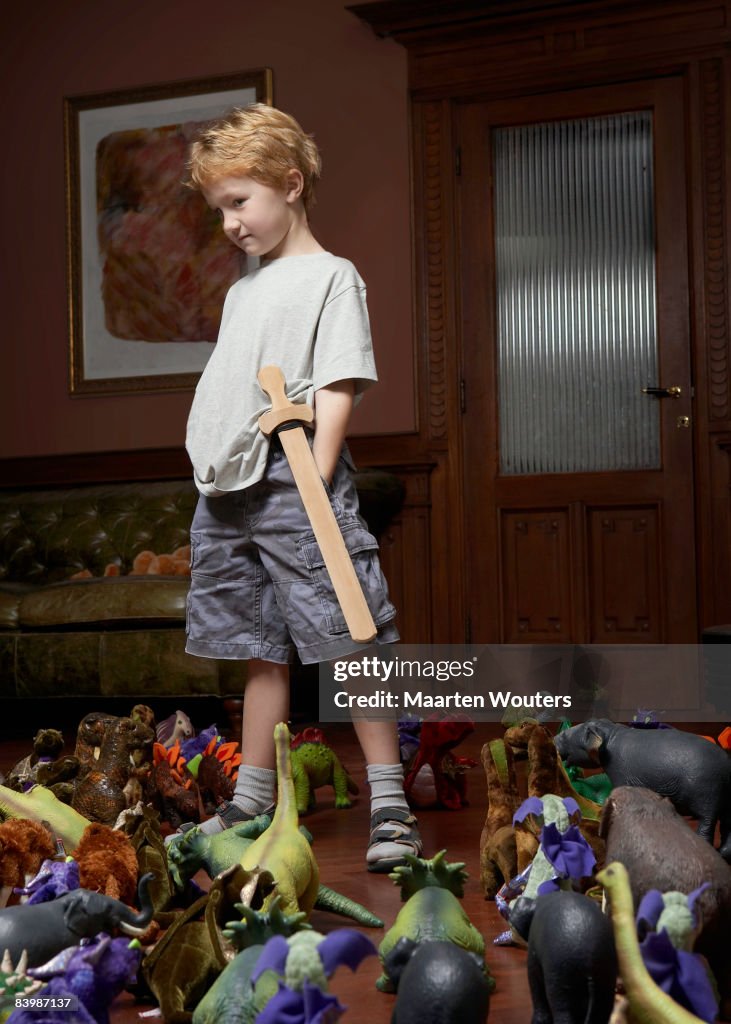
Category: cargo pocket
<point>363,549</point>
<point>194,549</point>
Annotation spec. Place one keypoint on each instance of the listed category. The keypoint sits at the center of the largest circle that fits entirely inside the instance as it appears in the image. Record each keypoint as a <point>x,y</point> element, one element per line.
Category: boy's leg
<point>393,826</point>
<point>266,702</point>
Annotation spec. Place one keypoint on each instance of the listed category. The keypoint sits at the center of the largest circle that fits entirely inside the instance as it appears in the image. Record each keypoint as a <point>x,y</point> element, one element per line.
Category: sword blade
<point>327,533</point>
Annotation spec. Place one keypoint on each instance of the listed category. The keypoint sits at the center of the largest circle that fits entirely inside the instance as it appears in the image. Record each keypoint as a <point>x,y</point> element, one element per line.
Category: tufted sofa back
<point>47,536</point>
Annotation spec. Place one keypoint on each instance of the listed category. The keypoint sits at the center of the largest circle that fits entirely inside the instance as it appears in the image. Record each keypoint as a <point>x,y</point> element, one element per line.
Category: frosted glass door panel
<point>575,272</point>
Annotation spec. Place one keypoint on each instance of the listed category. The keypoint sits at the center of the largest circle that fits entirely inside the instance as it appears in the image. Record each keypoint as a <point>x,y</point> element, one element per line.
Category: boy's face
<point>255,217</point>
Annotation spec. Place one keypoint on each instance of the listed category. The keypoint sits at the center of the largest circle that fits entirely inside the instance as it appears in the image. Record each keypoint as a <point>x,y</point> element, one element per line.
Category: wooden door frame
<point>487,602</point>
<point>463,49</point>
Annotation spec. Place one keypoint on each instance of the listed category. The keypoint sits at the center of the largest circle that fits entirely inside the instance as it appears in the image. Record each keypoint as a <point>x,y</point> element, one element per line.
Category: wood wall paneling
<point>624,551</point>
<point>536,568</point>
<point>404,557</point>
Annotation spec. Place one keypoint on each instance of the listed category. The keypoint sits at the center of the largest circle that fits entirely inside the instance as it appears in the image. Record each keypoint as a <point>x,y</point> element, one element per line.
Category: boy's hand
<point>333,406</point>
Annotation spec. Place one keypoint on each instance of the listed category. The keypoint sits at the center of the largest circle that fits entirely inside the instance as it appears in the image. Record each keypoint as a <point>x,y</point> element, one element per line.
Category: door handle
<point>671,392</point>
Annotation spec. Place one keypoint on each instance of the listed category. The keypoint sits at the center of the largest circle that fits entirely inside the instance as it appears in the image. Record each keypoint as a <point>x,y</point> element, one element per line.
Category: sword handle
<point>271,381</point>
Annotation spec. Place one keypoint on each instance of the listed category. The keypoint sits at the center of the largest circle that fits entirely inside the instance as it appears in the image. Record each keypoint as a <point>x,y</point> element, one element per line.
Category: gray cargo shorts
<point>259,587</point>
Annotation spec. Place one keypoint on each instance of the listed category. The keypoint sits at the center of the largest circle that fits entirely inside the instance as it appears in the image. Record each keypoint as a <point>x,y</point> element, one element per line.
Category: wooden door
<point>565,544</point>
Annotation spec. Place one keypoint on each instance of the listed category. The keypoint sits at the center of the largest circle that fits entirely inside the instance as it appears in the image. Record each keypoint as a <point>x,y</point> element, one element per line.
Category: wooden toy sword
<point>286,419</point>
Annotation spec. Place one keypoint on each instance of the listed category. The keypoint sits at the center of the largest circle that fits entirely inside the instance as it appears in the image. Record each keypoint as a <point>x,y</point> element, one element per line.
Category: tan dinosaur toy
<point>281,855</point>
<point>648,1004</point>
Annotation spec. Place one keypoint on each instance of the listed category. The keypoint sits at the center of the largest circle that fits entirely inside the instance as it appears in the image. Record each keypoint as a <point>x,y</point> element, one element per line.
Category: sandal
<point>394,826</point>
<point>227,812</point>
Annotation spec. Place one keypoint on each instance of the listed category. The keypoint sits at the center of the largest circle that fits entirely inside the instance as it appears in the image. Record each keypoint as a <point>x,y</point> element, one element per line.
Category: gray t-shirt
<point>305,314</point>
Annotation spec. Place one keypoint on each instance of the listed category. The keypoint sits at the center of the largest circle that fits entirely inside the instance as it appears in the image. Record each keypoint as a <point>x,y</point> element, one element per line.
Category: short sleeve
<point>343,347</point>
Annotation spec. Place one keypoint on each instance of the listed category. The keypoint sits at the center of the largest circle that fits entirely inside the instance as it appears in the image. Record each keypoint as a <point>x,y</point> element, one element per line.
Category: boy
<point>258,590</point>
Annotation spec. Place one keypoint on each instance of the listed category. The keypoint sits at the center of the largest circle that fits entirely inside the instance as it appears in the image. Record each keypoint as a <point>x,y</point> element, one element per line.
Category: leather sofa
<point>115,636</point>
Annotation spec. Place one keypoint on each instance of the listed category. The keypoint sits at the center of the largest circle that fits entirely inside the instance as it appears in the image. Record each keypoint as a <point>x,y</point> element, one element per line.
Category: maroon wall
<point>345,86</point>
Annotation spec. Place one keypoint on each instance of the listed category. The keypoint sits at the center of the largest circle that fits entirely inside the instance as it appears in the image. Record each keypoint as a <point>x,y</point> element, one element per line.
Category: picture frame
<point>148,265</point>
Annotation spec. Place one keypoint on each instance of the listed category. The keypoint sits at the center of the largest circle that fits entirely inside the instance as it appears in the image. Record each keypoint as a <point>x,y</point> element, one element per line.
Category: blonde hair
<point>260,142</point>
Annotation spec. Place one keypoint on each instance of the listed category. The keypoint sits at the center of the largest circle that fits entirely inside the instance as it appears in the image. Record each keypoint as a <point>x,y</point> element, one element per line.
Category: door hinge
<point>462,395</point>
<point>458,161</point>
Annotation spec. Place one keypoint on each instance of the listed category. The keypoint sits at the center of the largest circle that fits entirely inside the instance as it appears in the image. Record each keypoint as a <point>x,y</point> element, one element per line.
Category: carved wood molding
<point>413,21</point>
<point>433,199</point>
<point>464,47</point>
<point>714,236</point>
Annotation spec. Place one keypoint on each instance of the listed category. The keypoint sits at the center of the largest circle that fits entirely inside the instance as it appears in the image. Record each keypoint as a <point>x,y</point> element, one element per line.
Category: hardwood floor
<point>340,838</point>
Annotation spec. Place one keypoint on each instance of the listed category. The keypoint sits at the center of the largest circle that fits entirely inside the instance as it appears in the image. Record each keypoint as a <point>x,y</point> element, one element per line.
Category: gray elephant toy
<point>44,929</point>
<point>572,960</point>
<point>692,772</point>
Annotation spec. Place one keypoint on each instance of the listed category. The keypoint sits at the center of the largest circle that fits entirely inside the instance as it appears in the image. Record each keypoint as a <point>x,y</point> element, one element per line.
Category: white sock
<point>387,790</point>
<point>254,794</point>
<point>387,786</point>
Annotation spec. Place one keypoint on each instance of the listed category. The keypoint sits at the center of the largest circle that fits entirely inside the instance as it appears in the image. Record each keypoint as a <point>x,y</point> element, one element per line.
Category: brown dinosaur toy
<point>99,794</point>
<point>506,851</point>
<point>500,858</point>
<point>89,738</point>
<point>172,789</point>
<point>546,774</point>
<point>44,765</point>
<point>214,783</point>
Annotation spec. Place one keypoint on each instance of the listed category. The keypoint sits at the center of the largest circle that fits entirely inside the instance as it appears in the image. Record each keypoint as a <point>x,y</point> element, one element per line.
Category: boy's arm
<point>333,406</point>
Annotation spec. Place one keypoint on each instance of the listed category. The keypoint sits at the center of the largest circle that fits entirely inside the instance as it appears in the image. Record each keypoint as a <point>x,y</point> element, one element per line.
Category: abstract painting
<point>149,266</point>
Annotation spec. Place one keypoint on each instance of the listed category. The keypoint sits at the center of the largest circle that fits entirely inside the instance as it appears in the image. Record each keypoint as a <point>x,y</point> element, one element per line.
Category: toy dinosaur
<point>437,983</point>
<point>40,805</point>
<point>54,878</point>
<point>89,738</point>
<point>174,729</point>
<point>203,764</point>
<point>216,776</point>
<point>304,962</point>
<point>437,739</point>
<point>47,747</point>
<point>500,857</point>
<point>668,925</point>
<point>15,984</point>
<point>315,764</point>
<point>282,853</point>
<point>171,789</point>
<point>501,852</point>
<point>186,961</point>
<point>432,912</point>
<point>99,794</point>
<point>546,773</point>
<point>232,997</point>
<point>142,828</point>
<point>194,850</point>
<point>95,974</point>
<point>563,858</point>
<point>59,776</point>
<point>648,1004</point>
<point>555,820</point>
